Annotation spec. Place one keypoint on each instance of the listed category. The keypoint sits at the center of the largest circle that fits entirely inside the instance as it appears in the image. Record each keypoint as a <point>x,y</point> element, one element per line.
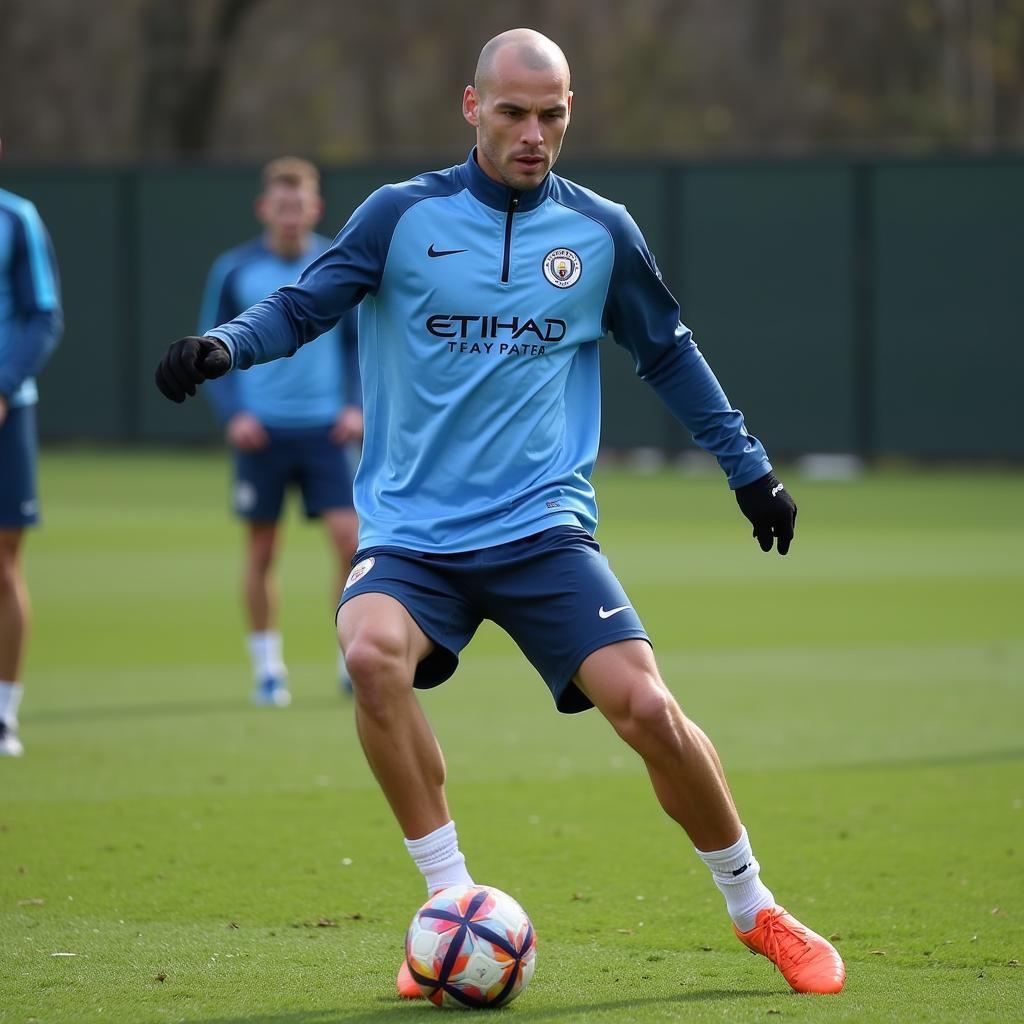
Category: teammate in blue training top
<point>30,327</point>
<point>484,291</point>
<point>288,423</point>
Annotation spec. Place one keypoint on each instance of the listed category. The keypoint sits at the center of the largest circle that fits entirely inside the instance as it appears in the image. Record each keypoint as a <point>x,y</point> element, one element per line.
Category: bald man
<point>484,291</point>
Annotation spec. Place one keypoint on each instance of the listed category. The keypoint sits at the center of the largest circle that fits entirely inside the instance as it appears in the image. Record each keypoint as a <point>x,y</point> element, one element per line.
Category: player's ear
<point>470,106</point>
<point>568,106</point>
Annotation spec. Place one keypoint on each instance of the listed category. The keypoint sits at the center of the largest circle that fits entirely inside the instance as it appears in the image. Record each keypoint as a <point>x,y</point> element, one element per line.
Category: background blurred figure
<point>287,423</point>
<point>30,326</point>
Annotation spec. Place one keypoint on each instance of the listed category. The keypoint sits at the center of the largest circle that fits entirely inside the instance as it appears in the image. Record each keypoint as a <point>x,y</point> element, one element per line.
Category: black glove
<point>189,362</point>
<point>767,504</point>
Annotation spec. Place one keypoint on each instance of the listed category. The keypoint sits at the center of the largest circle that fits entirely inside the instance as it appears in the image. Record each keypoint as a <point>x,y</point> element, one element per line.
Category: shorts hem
<point>580,702</point>
<point>248,517</point>
<point>443,661</point>
<point>318,512</point>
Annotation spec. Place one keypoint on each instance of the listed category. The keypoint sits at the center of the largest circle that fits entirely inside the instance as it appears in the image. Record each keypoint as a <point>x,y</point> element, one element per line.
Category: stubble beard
<point>519,182</point>
<point>511,177</point>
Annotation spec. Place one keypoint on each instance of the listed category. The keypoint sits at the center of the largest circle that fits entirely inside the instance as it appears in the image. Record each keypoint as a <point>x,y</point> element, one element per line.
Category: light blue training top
<point>307,390</point>
<point>480,313</point>
<point>30,313</point>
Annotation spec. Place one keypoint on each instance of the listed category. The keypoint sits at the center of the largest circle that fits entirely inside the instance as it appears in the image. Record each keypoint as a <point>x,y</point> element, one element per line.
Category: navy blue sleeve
<point>643,315</point>
<point>332,284</point>
<point>220,305</point>
<point>36,293</point>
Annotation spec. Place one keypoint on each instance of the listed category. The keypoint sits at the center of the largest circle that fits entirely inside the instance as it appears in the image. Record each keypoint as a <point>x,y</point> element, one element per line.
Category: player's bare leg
<point>383,645</point>
<point>15,610</point>
<point>342,527</point>
<point>258,586</point>
<point>623,681</point>
<point>260,593</point>
<point>15,618</point>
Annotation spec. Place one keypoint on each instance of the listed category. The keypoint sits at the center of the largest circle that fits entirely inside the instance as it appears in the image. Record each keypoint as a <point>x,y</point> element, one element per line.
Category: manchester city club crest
<point>360,571</point>
<point>562,267</point>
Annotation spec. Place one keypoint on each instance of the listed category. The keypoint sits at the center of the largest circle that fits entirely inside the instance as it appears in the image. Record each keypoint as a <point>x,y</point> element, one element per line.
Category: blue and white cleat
<point>10,745</point>
<point>272,692</point>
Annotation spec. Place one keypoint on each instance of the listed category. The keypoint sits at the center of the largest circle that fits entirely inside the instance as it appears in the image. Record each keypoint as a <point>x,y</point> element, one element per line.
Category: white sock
<point>438,858</point>
<point>10,698</point>
<point>342,667</point>
<point>265,649</point>
<point>737,875</point>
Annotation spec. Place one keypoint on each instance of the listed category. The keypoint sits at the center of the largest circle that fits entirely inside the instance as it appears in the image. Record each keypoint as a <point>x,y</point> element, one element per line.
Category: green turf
<point>207,861</point>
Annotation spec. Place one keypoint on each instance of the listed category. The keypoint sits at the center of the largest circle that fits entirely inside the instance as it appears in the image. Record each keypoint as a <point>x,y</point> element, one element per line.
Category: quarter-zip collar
<point>498,196</point>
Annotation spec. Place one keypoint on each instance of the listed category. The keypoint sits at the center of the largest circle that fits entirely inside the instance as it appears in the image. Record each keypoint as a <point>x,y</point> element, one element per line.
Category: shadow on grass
<point>392,1009</point>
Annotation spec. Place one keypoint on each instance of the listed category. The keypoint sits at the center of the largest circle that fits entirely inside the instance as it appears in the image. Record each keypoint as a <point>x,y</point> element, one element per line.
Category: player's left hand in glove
<point>188,363</point>
<point>771,511</point>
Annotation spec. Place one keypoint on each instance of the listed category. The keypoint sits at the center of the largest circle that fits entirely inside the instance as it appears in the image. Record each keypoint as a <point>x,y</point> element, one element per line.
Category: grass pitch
<point>168,853</point>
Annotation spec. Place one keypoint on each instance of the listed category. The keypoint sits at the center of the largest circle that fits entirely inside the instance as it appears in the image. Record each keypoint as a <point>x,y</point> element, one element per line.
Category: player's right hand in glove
<point>188,363</point>
<point>771,511</point>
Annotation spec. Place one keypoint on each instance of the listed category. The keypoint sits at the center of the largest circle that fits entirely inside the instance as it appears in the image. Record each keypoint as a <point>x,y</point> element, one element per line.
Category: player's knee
<point>10,568</point>
<point>378,665</point>
<point>262,548</point>
<point>261,559</point>
<point>649,712</point>
<point>371,657</point>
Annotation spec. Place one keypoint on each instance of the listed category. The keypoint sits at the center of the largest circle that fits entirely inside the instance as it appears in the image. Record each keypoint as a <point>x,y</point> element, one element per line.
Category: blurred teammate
<point>30,327</point>
<point>485,289</point>
<point>288,423</point>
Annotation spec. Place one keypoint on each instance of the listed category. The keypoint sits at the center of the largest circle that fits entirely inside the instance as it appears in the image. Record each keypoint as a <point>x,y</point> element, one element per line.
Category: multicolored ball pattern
<point>471,946</point>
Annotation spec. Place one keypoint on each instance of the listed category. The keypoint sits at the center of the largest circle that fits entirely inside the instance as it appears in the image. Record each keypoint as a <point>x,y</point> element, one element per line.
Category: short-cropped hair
<point>291,170</point>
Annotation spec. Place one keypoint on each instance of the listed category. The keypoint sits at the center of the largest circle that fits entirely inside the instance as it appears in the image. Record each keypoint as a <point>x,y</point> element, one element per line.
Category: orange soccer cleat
<point>407,988</point>
<point>807,961</point>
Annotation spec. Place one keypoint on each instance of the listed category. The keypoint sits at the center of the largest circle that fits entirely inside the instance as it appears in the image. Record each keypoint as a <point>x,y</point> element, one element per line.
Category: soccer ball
<point>471,946</point>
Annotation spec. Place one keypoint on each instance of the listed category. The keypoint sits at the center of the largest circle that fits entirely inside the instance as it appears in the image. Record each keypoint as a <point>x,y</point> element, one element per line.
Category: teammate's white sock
<point>438,858</point>
<point>265,649</point>
<point>737,875</point>
<point>10,699</point>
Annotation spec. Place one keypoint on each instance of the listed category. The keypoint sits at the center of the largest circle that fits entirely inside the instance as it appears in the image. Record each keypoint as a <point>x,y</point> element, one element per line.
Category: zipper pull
<point>513,205</point>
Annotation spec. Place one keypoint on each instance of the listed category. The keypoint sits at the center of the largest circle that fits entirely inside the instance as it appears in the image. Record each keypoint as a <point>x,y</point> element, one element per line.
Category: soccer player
<point>30,327</point>
<point>485,290</point>
<point>288,423</point>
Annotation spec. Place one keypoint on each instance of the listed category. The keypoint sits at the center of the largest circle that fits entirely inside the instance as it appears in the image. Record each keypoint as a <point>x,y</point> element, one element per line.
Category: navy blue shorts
<point>19,503</point>
<point>552,592</point>
<point>305,457</point>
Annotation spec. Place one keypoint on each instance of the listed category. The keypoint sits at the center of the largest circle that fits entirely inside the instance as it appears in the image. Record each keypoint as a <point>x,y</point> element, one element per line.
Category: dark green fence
<point>870,307</point>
